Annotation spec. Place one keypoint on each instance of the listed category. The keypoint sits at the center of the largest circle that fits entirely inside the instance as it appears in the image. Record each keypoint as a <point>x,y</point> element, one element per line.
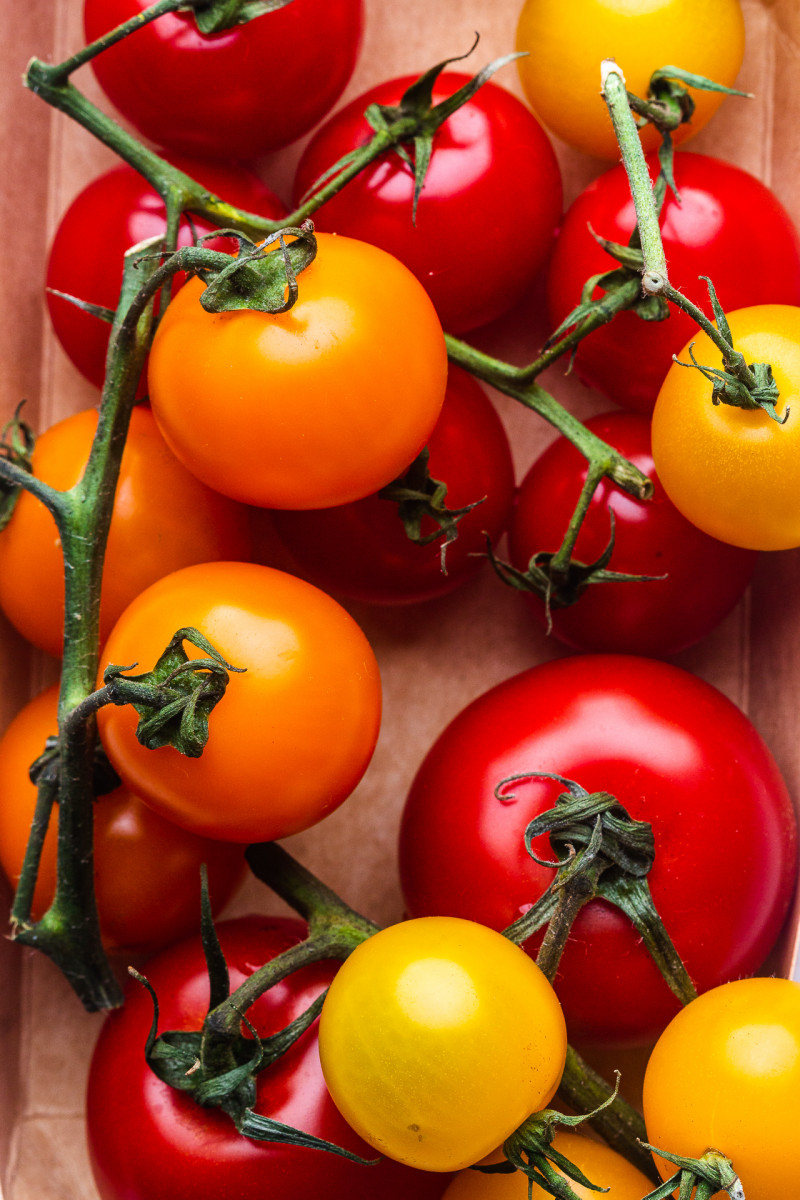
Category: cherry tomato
<point>255,87</point>
<point>564,45</point>
<point>676,753</point>
<point>735,472</point>
<point>361,550</point>
<point>147,1141</point>
<point>163,519</point>
<point>290,738</point>
<point>487,214</point>
<point>116,211</point>
<point>147,870</point>
<point>599,1163</point>
<point>725,1075</point>
<point>319,405</point>
<point>725,217</point>
<point>438,1037</point>
<point>703,580</point>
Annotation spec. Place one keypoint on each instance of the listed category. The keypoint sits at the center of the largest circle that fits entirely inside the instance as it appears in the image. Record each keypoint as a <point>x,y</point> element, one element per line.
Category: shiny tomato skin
<point>739,1045</point>
<point>118,210</point>
<point>704,578</point>
<point>231,95</point>
<point>597,1161</point>
<point>675,752</point>
<point>147,1140</point>
<point>487,214</point>
<point>316,406</point>
<point>163,519</point>
<point>361,550</point>
<point>564,45</point>
<point>438,1038</point>
<point>293,733</point>
<point>147,870</point>
<point>726,217</point>
<point>735,472</point>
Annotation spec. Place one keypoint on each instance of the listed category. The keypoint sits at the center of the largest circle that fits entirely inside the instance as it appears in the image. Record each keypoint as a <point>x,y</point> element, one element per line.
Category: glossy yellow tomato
<point>163,519</point>
<point>438,1038</point>
<point>290,738</point>
<point>146,870</point>
<point>734,472</point>
<point>566,40</point>
<point>598,1162</point>
<point>313,407</point>
<point>725,1075</point>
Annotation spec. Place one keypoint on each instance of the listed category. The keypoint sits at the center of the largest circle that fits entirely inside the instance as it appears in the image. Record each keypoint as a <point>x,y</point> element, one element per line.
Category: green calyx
<point>263,276</point>
<point>214,16</point>
<point>702,1177</point>
<point>417,496</point>
<point>175,699</point>
<point>16,446</point>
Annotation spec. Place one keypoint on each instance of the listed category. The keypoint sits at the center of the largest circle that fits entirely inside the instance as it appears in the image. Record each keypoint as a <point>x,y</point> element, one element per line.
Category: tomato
<point>724,214</point>
<point>255,87</point>
<point>735,472</point>
<point>361,550</point>
<point>290,738</point>
<point>704,577</point>
<point>116,211</point>
<point>738,1047</point>
<point>147,870</point>
<point>163,519</point>
<point>599,1163</point>
<point>487,214</point>
<point>565,44</point>
<point>316,406</point>
<point>147,1140</point>
<point>674,752</point>
<point>438,1037</point>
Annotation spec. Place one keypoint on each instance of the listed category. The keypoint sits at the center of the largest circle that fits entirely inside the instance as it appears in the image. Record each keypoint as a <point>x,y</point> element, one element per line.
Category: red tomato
<point>116,211</point>
<point>361,550</point>
<point>163,519</point>
<point>488,211</point>
<point>147,1140</point>
<point>704,577</point>
<point>726,217</point>
<point>230,95</point>
<point>147,870</point>
<point>674,752</point>
<point>292,735</point>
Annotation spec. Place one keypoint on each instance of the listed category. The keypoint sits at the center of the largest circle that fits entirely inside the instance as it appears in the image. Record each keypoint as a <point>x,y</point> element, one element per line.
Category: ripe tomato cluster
<point>260,480</point>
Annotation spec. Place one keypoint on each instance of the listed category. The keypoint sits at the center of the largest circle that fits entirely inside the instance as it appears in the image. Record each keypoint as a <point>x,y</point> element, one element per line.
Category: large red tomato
<point>726,218</point>
<point>701,578</point>
<point>147,870</point>
<point>361,550</point>
<point>488,211</point>
<point>148,1141</point>
<point>232,95</point>
<point>674,752</point>
<point>116,211</point>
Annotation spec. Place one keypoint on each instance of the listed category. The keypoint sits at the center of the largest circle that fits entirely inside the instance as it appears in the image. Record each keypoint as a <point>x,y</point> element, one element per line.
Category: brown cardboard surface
<point>433,659</point>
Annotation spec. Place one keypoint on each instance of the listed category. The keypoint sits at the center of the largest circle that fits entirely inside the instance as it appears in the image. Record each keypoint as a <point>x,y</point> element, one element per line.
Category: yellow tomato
<point>725,1075</point>
<point>598,1162</point>
<point>734,472</point>
<point>565,43</point>
<point>438,1038</point>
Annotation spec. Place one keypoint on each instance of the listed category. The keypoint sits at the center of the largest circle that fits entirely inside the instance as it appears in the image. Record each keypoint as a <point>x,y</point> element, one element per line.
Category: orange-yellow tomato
<point>598,1162</point>
<point>438,1038</point>
<point>735,472</point>
<point>313,407</point>
<point>163,519</point>
<point>292,735</point>
<point>725,1075</point>
<point>566,40</point>
<point>147,870</point>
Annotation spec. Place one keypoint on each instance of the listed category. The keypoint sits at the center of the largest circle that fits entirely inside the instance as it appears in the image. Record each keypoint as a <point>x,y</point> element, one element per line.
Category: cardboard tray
<point>434,658</point>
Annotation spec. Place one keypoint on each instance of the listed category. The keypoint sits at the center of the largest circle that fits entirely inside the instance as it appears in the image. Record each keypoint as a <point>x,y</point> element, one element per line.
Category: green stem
<point>60,72</point>
<point>46,794</point>
<point>734,361</point>
<point>561,560</point>
<point>613,90</point>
